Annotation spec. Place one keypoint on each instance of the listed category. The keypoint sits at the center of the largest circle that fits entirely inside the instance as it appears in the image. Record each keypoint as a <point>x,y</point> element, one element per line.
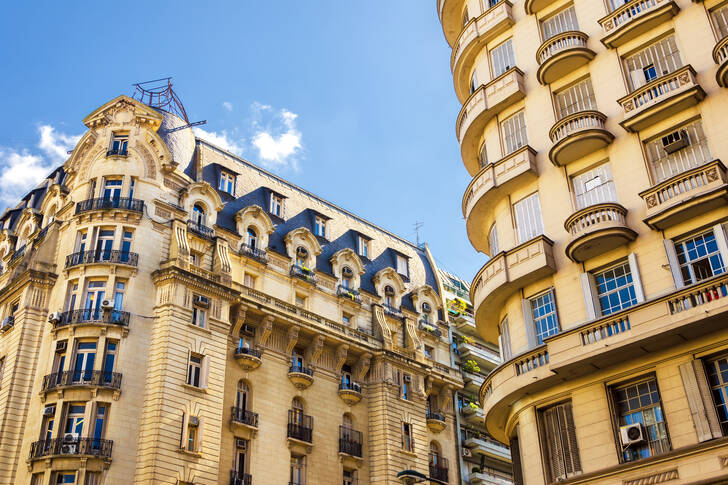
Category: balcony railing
<point>117,152</point>
<point>350,441</point>
<point>248,351</point>
<point>301,370</point>
<point>254,253</point>
<point>303,273</point>
<point>17,254</point>
<point>429,328</point>
<point>632,18</point>
<point>82,378</point>
<point>350,386</point>
<point>597,229</point>
<point>436,415</point>
<point>559,43</point>
<point>240,415</point>
<point>392,310</point>
<point>300,426</point>
<point>74,447</point>
<point>123,203</point>
<point>92,317</point>
<point>237,478</point>
<point>439,469</point>
<point>348,293</point>
<point>200,229</point>
<point>102,256</point>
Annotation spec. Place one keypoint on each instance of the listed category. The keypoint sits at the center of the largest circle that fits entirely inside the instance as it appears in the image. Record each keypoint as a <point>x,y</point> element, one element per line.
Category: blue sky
<point>350,100</point>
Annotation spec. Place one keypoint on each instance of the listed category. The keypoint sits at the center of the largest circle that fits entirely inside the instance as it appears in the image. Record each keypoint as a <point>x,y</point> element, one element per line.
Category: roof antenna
<point>418,225</point>
<point>158,93</point>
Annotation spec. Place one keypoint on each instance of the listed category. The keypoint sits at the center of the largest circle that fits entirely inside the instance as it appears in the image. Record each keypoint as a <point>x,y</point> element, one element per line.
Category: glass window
<point>699,257</point>
<point>198,316</point>
<point>406,381</point>
<point>198,215</point>
<point>65,477</point>
<point>350,477</point>
<point>119,143</point>
<point>514,132</point>
<point>717,373</point>
<point>84,363</point>
<point>502,58</point>
<point>192,429</point>
<point>194,369</point>
<point>575,98</point>
<point>227,182</point>
<point>493,240</point>
<point>658,59</point>
<point>428,351</point>
<point>112,189</point>
<point>363,247</point>
<point>545,319</point>
<point>615,288</point>
<point>119,295</point>
<point>126,239</point>
<point>276,205</point>
<point>720,20</point>
<point>558,23</point>
<point>249,280</point>
<point>640,403</point>
<point>696,152</point>
<point>402,265</point>
<point>132,184</point>
<point>74,418</point>
<point>298,470</point>
<point>528,218</point>
<point>109,359</point>
<point>594,186</point>
<point>252,238</point>
<point>406,437</point>
<point>320,227</point>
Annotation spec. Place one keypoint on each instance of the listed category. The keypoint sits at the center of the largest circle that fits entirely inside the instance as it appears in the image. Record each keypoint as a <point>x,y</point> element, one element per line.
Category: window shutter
<point>205,371</point>
<point>567,432</point>
<point>183,434</point>
<point>674,264</point>
<point>551,440</point>
<point>697,391</point>
<point>590,300</point>
<point>516,461</point>
<point>528,320</point>
<point>200,433</point>
<point>636,278</point>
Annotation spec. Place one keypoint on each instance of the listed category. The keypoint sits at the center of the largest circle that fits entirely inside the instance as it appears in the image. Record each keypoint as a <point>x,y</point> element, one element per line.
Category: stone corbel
<point>362,366</point>
<point>380,322</point>
<point>314,350</point>
<point>292,339</point>
<point>179,249</point>
<point>445,397</point>
<point>428,385</point>
<point>341,352</point>
<point>221,260</point>
<point>238,321</point>
<point>414,339</point>
<point>266,329</point>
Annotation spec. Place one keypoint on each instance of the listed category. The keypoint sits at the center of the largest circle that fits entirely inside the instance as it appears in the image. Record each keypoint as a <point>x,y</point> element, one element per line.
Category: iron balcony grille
<point>43,232</point>
<point>303,273</point>
<point>80,446</point>
<point>117,152</point>
<point>74,378</point>
<point>92,316</point>
<point>7,324</point>
<point>301,369</point>
<point>124,203</point>
<point>350,386</point>
<point>438,471</point>
<point>435,415</point>
<point>254,253</point>
<point>430,328</point>
<point>248,351</point>
<point>393,311</point>
<point>102,256</point>
<point>300,426</point>
<point>350,441</point>
<point>200,229</point>
<point>237,478</point>
<point>348,293</point>
<point>240,415</point>
<point>17,254</point>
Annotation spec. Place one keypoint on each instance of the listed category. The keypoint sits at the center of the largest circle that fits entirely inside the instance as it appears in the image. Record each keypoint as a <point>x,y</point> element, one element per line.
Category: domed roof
<point>180,143</point>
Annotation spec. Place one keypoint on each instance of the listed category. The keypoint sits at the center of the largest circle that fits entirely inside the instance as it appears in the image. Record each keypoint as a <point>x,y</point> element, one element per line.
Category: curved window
<point>198,214</point>
<point>242,400</point>
<point>389,295</point>
<point>426,310</point>
<point>252,238</point>
<point>347,277</point>
<point>301,256</point>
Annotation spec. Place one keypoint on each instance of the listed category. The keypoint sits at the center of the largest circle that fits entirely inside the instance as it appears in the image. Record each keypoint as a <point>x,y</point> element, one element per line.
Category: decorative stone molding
<point>659,477</point>
<point>266,330</point>
<point>341,352</point>
<point>362,366</point>
<point>314,350</point>
<point>292,339</point>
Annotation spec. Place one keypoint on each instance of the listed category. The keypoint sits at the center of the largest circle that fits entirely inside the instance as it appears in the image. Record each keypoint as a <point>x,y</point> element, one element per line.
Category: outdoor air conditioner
<point>7,323</point>
<point>241,443</point>
<point>107,305</point>
<point>70,444</point>
<point>54,317</point>
<point>632,434</point>
<point>677,140</point>
<point>49,411</point>
<point>61,346</point>
<point>194,421</point>
<point>467,452</point>
<point>202,301</point>
<point>407,378</point>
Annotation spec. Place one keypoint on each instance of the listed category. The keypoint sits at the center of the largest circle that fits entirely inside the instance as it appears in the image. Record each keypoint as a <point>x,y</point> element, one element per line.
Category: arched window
<point>426,311</point>
<point>252,238</point>
<point>389,295</point>
<point>435,453</point>
<point>198,214</point>
<point>50,216</point>
<point>347,421</point>
<point>298,409</point>
<point>347,277</point>
<point>301,256</point>
<point>242,400</point>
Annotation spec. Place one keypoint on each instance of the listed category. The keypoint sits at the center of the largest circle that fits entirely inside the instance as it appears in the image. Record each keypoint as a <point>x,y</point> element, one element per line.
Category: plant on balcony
<point>466,340</point>
<point>471,367</point>
<point>473,406</point>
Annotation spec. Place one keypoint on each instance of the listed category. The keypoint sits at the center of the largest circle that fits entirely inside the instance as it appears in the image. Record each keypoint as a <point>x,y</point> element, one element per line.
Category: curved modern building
<point>593,131</point>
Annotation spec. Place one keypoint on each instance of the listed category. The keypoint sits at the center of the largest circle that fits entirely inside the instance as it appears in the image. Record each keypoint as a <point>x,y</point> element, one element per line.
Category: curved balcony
<point>243,417</point>
<point>661,98</point>
<point>436,421</point>
<point>71,447</point>
<point>483,105</point>
<point>562,54</point>
<point>249,359</point>
<point>504,275</point>
<point>199,229</point>
<point>471,41</point>
<point>101,256</point>
<point>91,317</point>
<point>119,203</point>
<point>451,18</point>
<point>254,253</point>
<point>350,392</point>
<point>635,18</point>
<point>82,378</point>
<point>578,135</point>
<point>305,274</point>
<point>720,56</point>
<point>493,182</point>
<point>597,229</point>
<point>534,6</point>
<point>686,195</point>
<point>301,377</point>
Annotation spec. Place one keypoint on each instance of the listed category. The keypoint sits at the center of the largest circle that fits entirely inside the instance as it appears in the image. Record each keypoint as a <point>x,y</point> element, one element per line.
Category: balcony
<point>119,203</point>
<point>473,378</point>
<point>473,415</point>
<point>597,229</point>
<point>71,447</point>
<point>237,478</point>
<point>243,417</point>
<point>254,253</point>
<point>90,317</point>
<point>102,256</point>
<point>350,442</point>
<point>493,182</point>
<point>299,433</point>
<point>503,275</point>
<point>482,444</point>
<point>350,392</point>
<point>81,378</point>
<point>635,18</point>
<point>301,377</point>
<point>562,54</point>
<point>483,105</point>
<point>199,229</point>
<point>348,294</point>
<point>439,470</point>
<point>686,195</point>
<point>451,18</point>
<point>304,274</point>
<point>720,56</point>
<point>473,38</point>
<point>534,6</point>
<point>484,356</point>
<point>490,477</point>
<point>435,421</point>
<point>429,328</point>
<point>660,99</point>
<point>392,311</point>
<point>464,322</point>
<point>249,359</point>
<point>578,135</point>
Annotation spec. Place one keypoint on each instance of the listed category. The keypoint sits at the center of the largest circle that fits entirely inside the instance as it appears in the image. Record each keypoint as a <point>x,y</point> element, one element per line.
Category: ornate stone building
<point>593,131</point>
<point>173,314</point>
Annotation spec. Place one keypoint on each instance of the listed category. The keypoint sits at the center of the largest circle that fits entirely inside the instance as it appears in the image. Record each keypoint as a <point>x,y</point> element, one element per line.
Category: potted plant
<point>471,367</point>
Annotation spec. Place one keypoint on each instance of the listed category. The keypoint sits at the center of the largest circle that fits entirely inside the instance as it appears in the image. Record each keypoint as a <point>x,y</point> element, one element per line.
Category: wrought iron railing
<point>300,426</point>
<point>350,441</point>
<point>438,416</point>
<point>350,386</point>
<point>74,378</point>
<point>439,469</point>
<point>237,478</point>
<point>17,254</point>
<point>200,229</point>
<point>92,316</point>
<point>301,369</point>
<point>75,447</point>
<point>102,256</point>
<point>430,328</point>
<point>348,293</point>
<point>303,273</point>
<point>240,415</point>
<point>124,203</point>
<point>117,152</point>
<point>248,351</point>
<point>254,253</point>
<point>392,310</point>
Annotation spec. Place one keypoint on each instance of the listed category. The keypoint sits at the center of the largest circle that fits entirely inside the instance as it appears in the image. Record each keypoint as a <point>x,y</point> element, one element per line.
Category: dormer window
<point>389,296</point>
<point>301,256</point>
<point>402,265</point>
<point>426,311</point>
<point>276,205</point>
<point>198,215</point>
<point>319,227</point>
<point>227,182</point>
<point>363,247</point>
<point>252,238</point>
<point>119,143</point>
<point>347,277</point>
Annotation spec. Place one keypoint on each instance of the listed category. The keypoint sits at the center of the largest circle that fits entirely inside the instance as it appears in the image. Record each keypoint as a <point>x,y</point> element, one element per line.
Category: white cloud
<point>222,140</point>
<point>278,144</point>
<point>227,105</point>
<point>54,144</point>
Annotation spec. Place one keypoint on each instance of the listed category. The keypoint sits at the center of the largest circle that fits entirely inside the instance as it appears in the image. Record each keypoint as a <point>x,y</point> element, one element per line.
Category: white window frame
<point>529,217</point>
<point>530,320</point>
<point>589,286</point>
<point>227,182</point>
<point>363,247</point>
<point>402,265</point>
<point>320,226</point>
<point>670,249</point>
<point>276,205</point>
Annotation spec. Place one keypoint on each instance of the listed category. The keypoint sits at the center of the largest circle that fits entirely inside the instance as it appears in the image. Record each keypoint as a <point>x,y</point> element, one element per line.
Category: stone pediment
<point>124,110</point>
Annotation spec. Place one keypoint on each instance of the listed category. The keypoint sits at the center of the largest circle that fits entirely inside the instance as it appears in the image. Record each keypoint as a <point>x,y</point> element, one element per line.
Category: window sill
<point>194,388</point>
<point>200,329</point>
<point>194,454</point>
<point>409,453</point>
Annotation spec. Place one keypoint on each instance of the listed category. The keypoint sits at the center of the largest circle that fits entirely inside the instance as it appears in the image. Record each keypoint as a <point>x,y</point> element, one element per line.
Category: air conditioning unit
<point>49,411</point>
<point>407,378</point>
<point>70,437</point>
<point>54,317</point>
<point>426,307</point>
<point>677,140</point>
<point>241,443</point>
<point>194,421</point>
<point>69,448</point>
<point>61,346</point>
<point>107,305</point>
<point>202,301</point>
<point>7,323</point>
<point>632,434</point>
<point>247,329</point>
<point>467,452</point>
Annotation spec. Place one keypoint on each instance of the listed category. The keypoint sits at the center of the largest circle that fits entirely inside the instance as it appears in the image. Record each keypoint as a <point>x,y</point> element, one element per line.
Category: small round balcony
<point>451,18</point>
<point>350,392</point>
<point>597,229</point>
<point>578,135</point>
<point>249,359</point>
<point>562,54</point>
<point>102,256</point>
<point>301,377</point>
<point>720,56</point>
<point>534,6</point>
<point>436,421</point>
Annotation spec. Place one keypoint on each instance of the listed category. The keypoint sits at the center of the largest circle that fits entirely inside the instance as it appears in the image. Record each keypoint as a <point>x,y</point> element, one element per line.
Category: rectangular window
<point>110,352</point>
<point>36,479</point>
<point>119,143</point>
<point>558,23</point>
<point>615,288</point>
<point>402,265</point>
<point>699,257</point>
<point>638,404</point>
<point>350,477</point>
<point>199,316</point>
<point>665,164</point>
<point>276,205</point>
<point>126,239</point>
<point>363,247</point>
<point>594,186</point>
<point>575,98</point>
<point>428,351</point>
<point>93,478</point>
<point>346,318</point>
<point>405,386</point>
<point>493,240</point>
<point>300,301</point>
<point>545,319</point>
<point>298,470</point>
<point>195,258</point>
<point>505,340</point>
<point>320,227</point>
<point>65,477</point>
<point>194,370</point>
<point>83,365</point>
<point>514,132</point>
<point>720,20</point>
<point>407,437</point>
<point>249,280</point>
<point>192,429</point>
<point>558,440</point>
<point>717,374</point>
<point>528,218</point>
<point>658,59</point>
<point>227,182</point>
<point>74,418</point>
<point>502,58</point>
<point>112,189</point>
<point>119,292</point>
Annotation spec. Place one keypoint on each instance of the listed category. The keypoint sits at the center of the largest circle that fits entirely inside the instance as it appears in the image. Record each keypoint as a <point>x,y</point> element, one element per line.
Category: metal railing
<point>17,254</point>
<point>301,369</point>
<point>391,310</point>
<point>200,229</point>
<point>237,478</point>
<point>429,328</point>
<point>240,415</point>
<point>303,273</point>
<point>254,253</point>
<point>438,416</point>
<point>78,446</point>
<point>74,378</point>
<point>102,256</point>
<point>300,426</point>
<point>92,316</point>
<point>350,441</point>
<point>124,203</point>
<point>348,293</point>
<point>439,469</point>
<point>350,386</point>
<point>248,351</point>
<point>117,152</point>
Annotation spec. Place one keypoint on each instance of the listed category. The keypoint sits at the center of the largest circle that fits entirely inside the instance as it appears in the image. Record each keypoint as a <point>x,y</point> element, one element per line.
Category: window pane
<point>576,98</point>
<point>594,186</point>
<point>665,165</point>
<point>502,58</point>
<point>528,218</point>
<point>660,58</point>
<point>640,403</point>
<point>514,132</point>
<point>699,258</point>
<point>563,21</point>
<point>615,289</point>
<point>543,309</point>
